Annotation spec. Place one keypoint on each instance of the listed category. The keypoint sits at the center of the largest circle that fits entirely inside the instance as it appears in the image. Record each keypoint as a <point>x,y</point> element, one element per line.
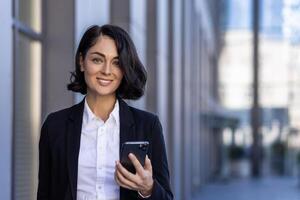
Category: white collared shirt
<point>99,149</point>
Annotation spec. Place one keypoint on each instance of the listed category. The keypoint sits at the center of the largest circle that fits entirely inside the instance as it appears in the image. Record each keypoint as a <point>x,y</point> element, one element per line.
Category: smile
<point>103,82</point>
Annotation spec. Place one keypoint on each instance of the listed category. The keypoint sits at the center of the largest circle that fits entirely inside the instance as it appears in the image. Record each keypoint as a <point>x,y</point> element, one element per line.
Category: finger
<point>136,163</point>
<point>148,165</point>
<point>128,175</point>
<point>119,182</point>
<point>125,182</point>
<point>117,179</point>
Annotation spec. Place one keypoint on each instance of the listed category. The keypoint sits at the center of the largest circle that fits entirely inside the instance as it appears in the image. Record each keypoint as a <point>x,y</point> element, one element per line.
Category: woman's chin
<point>105,93</point>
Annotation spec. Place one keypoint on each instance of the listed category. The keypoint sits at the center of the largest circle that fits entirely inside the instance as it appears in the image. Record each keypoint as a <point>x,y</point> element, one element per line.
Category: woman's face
<point>101,67</point>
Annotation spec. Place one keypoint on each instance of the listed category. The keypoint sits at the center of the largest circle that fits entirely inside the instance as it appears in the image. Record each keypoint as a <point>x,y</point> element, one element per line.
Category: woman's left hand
<point>141,181</point>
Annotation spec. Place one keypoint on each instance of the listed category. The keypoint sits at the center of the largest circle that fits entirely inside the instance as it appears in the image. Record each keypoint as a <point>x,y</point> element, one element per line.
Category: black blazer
<point>59,149</point>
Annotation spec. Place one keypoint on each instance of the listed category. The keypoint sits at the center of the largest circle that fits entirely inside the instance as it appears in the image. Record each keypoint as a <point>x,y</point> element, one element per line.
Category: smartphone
<point>138,148</point>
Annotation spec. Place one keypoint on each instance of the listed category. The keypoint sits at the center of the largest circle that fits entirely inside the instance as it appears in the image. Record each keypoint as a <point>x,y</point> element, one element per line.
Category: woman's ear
<point>81,62</point>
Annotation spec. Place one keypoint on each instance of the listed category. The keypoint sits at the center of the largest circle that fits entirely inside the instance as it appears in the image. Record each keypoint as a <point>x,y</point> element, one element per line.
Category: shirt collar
<point>88,114</point>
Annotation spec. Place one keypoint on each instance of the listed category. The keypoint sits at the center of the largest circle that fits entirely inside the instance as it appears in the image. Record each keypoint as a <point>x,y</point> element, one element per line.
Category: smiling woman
<point>121,45</point>
<point>79,146</point>
<point>101,67</point>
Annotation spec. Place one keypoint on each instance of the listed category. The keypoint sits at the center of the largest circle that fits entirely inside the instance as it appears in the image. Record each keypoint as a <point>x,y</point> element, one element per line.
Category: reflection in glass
<point>30,13</point>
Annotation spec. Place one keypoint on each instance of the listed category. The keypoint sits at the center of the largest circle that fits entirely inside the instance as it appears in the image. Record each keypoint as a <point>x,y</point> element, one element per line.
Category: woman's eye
<point>116,63</point>
<point>97,60</point>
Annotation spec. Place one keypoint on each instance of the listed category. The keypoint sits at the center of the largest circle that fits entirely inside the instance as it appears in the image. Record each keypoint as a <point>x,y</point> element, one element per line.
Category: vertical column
<point>255,114</point>
<point>138,32</point>
<point>187,101</point>
<point>6,103</point>
<point>151,55</point>
<point>196,105</point>
<point>120,13</point>
<point>162,77</point>
<point>175,94</point>
<point>202,106</point>
<point>58,54</point>
<point>176,179</point>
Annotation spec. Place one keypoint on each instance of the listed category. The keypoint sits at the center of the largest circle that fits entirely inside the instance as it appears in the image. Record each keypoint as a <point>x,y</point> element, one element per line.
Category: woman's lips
<point>104,82</point>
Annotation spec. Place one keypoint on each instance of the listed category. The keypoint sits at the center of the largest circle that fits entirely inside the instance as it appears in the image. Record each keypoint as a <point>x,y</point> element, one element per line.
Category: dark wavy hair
<point>133,83</point>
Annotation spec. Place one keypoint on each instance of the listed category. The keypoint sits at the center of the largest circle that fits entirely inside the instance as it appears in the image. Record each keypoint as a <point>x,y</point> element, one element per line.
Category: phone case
<point>139,149</point>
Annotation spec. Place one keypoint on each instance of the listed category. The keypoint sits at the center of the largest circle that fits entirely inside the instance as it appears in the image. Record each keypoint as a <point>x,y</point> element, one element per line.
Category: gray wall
<point>175,109</point>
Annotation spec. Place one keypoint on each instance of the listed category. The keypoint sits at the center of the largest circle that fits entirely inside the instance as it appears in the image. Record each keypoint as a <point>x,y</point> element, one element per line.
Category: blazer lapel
<point>127,126</point>
<point>73,144</point>
<point>127,132</point>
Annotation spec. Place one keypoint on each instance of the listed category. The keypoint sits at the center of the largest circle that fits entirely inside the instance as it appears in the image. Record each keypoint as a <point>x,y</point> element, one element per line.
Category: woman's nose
<point>106,69</point>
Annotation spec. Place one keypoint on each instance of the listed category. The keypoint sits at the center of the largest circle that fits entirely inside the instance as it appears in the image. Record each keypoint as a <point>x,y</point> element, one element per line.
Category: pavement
<point>270,188</point>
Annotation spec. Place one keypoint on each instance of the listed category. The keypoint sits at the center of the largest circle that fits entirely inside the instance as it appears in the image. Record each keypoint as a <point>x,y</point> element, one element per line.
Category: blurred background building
<point>198,54</point>
<point>278,78</point>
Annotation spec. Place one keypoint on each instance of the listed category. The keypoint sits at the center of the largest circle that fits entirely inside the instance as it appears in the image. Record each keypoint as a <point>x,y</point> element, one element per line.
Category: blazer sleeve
<point>44,176</point>
<point>161,188</point>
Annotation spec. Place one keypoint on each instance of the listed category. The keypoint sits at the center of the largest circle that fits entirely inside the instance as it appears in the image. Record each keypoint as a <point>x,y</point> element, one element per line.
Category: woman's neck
<point>101,106</point>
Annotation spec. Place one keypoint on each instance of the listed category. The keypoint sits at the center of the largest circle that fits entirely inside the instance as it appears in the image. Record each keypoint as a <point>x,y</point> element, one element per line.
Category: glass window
<point>236,71</point>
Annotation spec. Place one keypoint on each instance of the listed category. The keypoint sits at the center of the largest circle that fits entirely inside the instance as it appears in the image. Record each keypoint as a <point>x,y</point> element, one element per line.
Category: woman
<point>79,146</point>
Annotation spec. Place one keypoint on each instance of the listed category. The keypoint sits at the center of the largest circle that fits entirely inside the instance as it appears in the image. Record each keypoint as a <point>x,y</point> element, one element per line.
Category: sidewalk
<point>275,188</point>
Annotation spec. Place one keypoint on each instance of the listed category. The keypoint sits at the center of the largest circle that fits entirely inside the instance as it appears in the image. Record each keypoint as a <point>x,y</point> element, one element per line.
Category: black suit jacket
<point>59,149</point>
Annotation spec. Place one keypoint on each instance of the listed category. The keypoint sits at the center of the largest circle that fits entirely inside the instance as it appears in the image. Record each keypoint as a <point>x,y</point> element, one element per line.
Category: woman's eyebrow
<point>101,54</point>
<point>98,53</point>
